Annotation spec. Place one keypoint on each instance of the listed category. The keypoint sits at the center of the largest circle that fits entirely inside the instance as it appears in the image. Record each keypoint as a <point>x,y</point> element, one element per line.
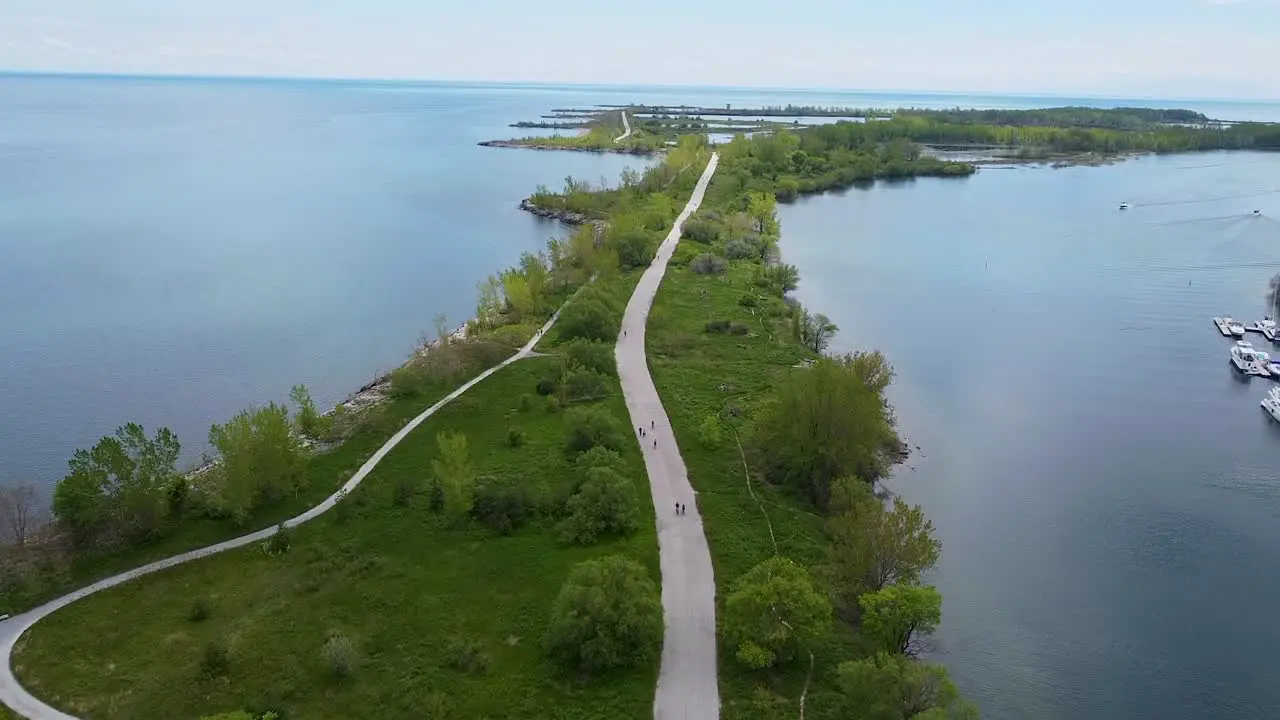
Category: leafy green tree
<point>590,319</point>
<point>590,427</point>
<point>635,247</point>
<point>119,486</point>
<point>607,615</point>
<point>894,687</point>
<point>455,474</point>
<point>814,331</point>
<point>584,384</point>
<point>901,618</point>
<point>780,278</point>
<point>774,612</point>
<point>873,546</point>
<point>589,354</point>
<point>597,457</point>
<point>606,504</point>
<point>762,208</point>
<point>825,422</point>
<point>489,304</point>
<point>262,459</point>
<point>310,422</point>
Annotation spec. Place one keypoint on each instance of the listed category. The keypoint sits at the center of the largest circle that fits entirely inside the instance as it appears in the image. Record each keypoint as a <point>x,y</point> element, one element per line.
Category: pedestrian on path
<point>651,423</point>
<point>677,508</point>
<point>683,509</point>
<point>655,442</point>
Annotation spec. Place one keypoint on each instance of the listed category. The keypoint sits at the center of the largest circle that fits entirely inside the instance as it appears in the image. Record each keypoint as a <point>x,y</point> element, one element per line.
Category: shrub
<point>590,355</point>
<point>708,264</point>
<point>526,401</point>
<point>749,301</point>
<point>596,457</point>
<point>216,661</point>
<point>717,326</point>
<point>501,504</point>
<point>339,655</point>
<point>773,613</point>
<point>585,385</point>
<point>738,329</point>
<point>684,255</point>
<point>588,318</point>
<point>591,427</point>
<point>547,386</point>
<point>553,404</point>
<point>606,504</point>
<point>199,611</point>
<point>403,491</point>
<point>515,438</point>
<point>699,229</point>
<point>740,250</point>
<point>280,541</point>
<point>262,458</point>
<point>466,655</point>
<point>607,615</point>
<point>709,432</point>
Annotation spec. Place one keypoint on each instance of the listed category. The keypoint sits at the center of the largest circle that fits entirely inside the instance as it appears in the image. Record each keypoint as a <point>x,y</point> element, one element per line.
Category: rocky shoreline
<point>542,146</point>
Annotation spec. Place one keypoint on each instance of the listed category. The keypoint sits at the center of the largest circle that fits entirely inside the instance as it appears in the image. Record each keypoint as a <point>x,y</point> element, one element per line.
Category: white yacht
<point>1249,361</point>
<point>1235,327</point>
<point>1271,364</point>
<point>1271,403</point>
<point>1224,324</point>
<point>1125,206</point>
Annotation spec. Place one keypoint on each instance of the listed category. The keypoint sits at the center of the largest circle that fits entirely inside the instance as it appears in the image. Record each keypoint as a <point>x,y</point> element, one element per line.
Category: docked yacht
<point>1271,364</point>
<point>1249,361</point>
<point>1271,403</point>
<point>1229,326</point>
<point>1267,327</point>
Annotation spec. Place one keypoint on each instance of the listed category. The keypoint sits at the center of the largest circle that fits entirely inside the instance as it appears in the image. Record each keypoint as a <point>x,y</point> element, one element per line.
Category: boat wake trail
<point>1220,198</point>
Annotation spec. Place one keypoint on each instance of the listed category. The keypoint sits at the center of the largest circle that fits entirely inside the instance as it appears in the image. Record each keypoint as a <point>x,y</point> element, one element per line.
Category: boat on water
<point>1271,364</point>
<point>1248,361</point>
<point>1266,326</point>
<point>1235,327</point>
<point>1271,403</point>
<point>1257,212</point>
<point>1271,333</point>
<point>1224,324</point>
<point>1125,206</point>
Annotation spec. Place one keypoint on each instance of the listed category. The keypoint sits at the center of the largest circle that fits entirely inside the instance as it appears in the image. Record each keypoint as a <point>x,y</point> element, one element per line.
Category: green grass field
<point>395,579</point>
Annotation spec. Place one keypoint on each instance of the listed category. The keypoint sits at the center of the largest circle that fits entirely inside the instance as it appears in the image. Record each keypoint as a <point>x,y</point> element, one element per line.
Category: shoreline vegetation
<point>1060,136</point>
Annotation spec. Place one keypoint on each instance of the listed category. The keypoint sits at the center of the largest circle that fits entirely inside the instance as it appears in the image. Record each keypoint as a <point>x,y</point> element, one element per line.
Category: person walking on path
<point>683,510</point>
<point>677,508</point>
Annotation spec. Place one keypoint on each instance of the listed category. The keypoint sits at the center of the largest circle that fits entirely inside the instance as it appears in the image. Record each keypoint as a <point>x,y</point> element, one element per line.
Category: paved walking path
<point>17,698</point>
<point>687,687</point>
<point>626,124</point>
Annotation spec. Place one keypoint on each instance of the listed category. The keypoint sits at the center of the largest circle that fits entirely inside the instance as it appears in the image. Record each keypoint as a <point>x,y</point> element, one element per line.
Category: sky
<point>1118,48</point>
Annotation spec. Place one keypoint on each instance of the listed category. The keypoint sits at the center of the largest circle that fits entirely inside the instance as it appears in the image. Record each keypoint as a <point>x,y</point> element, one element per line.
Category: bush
<point>596,457</point>
<point>738,329</point>
<point>547,386</point>
<point>591,427</point>
<point>710,433</point>
<point>280,541</point>
<point>708,264</point>
<point>749,301</point>
<point>740,250</point>
<point>526,400</point>
<point>590,355</point>
<point>553,404</point>
<point>217,659</point>
<point>590,319</point>
<point>607,615</point>
<point>339,655</point>
<point>585,385</point>
<point>717,326</point>
<point>605,505</point>
<point>199,611</point>
<point>684,255</point>
<point>502,505</point>
<point>515,438</point>
<point>262,458</point>
<point>699,229</point>
<point>467,656</point>
<point>773,613</point>
<point>403,490</point>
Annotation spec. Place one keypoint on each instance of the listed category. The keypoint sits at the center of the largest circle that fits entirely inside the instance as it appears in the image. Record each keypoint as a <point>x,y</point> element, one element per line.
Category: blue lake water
<point>1106,490</point>
<point>172,251</point>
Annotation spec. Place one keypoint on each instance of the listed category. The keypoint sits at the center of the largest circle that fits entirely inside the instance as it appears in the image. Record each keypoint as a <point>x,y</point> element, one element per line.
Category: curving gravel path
<point>18,699</point>
<point>687,686</point>
<point>626,124</point>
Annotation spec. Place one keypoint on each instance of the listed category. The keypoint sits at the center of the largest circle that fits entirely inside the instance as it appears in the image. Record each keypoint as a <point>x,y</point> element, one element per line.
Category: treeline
<point>767,111</point>
<point>1120,118</point>
<point>921,129</point>
<point>828,157</point>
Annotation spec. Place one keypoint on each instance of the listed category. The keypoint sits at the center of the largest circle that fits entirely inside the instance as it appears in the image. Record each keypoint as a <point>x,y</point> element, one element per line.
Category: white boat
<point>1125,206</point>
<point>1224,324</point>
<point>1235,327</point>
<point>1271,364</point>
<point>1271,403</point>
<point>1272,333</point>
<point>1257,212</point>
<point>1247,360</point>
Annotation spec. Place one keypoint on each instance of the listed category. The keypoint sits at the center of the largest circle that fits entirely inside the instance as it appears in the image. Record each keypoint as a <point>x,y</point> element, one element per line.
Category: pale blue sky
<point>1157,48</point>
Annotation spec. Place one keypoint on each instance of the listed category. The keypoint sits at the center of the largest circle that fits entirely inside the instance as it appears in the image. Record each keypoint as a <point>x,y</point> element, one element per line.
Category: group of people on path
<point>680,507</point>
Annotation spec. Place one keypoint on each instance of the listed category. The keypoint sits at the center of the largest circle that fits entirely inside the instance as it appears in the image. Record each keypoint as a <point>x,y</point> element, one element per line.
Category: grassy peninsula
<point>440,587</point>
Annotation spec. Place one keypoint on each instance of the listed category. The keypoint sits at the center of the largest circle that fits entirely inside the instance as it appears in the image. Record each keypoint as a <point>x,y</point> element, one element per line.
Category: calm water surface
<point>1107,492</point>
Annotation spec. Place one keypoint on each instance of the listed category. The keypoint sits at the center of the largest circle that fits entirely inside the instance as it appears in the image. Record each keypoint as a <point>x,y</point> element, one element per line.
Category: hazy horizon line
<point>659,86</point>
